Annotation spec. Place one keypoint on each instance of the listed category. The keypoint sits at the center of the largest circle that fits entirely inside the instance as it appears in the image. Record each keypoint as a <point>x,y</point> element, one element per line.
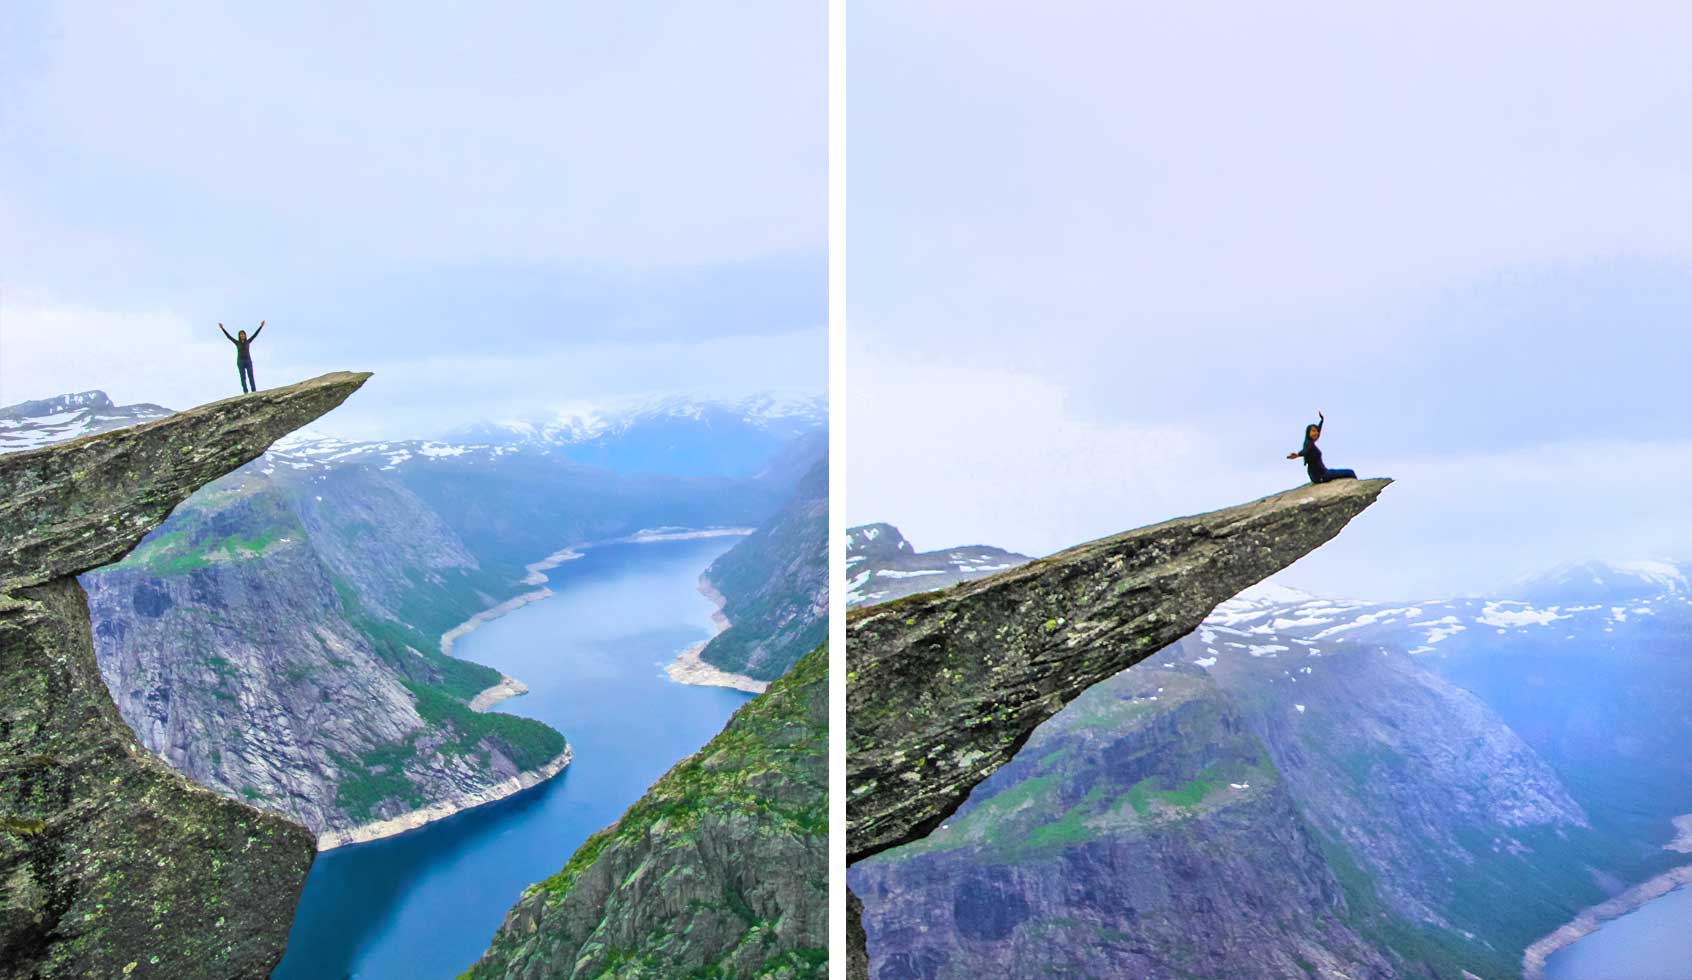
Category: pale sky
<point>1106,260</point>
<point>494,208</point>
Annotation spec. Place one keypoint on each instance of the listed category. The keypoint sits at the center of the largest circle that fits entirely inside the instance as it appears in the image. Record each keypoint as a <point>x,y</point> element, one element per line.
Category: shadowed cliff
<point>111,863</point>
<point>943,688</point>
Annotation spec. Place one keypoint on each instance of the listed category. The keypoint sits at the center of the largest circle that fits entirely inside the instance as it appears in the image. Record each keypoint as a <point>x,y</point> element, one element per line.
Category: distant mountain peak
<point>1599,579</point>
<point>878,540</point>
<point>43,421</point>
<point>70,401</point>
<point>881,565</point>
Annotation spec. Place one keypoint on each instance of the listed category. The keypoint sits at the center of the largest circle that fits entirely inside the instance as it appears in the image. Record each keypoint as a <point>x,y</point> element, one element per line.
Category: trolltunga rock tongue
<point>112,863</point>
<point>944,687</point>
<point>81,504</point>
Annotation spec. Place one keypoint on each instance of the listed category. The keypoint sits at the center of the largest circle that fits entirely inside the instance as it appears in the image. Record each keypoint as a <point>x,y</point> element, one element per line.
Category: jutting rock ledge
<point>943,688</point>
<point>112,863</point>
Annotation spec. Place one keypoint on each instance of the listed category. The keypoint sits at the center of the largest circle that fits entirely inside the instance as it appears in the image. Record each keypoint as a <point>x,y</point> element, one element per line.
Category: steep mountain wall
<point>113,864</point>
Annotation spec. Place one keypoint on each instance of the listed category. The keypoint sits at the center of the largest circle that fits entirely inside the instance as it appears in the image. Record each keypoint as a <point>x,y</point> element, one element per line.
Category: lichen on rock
<point>719,870</point>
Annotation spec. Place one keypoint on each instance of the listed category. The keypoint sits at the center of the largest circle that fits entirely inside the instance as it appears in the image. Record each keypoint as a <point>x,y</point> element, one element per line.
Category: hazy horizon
<point>490,210</point>
<point>1107,262</point>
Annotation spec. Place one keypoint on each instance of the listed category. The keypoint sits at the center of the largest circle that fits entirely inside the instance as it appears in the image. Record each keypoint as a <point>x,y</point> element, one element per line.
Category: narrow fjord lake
<point>425,903</point>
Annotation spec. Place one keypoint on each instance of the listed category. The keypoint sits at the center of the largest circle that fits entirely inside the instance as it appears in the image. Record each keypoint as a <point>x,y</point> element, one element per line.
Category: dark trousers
<point>1336,475</point>
<point>246,369</point>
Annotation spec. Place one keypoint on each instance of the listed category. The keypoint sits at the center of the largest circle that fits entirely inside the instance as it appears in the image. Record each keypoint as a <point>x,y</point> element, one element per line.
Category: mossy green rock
<point>111,863</point>
<point>719,871</point>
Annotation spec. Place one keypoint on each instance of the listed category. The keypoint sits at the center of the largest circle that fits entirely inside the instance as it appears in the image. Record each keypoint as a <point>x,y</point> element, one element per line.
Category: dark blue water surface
<point>1653,942</point>
<point>424,904</point>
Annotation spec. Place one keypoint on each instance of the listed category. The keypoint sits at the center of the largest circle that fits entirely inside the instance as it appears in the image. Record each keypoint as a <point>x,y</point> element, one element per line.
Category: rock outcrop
<point>944,688</point>
<point>111,863</point>
<point>720,870</point>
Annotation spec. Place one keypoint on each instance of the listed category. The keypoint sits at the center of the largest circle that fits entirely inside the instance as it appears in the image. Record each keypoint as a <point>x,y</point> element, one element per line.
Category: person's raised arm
<point>1321,420</point>
<point>226,333</point>
<point>256,332</point>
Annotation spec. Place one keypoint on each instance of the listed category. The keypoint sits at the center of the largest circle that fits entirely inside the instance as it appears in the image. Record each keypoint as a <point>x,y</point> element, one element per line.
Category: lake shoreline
<point>1591,919</point>
<point>536,576</point>
<point>413,819</point>
<point>688,668</point>
<point>506,687</point>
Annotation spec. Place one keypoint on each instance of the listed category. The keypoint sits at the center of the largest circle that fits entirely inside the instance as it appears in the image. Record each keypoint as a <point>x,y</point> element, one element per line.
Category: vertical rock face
<point>943,688</point>
<point>720,870</point>
<point>112,864</point>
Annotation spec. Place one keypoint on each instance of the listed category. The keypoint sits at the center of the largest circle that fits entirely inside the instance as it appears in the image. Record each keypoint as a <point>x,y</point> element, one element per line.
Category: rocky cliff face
<point>1459,778</point>
<point>112,863</point>
<point>720,870</point>
<point>1144,831</point>
<point>774,586</point>
<point>270,640</point>
<point>277,638</point>
<point>943,688</point>
<point>1218,813</point>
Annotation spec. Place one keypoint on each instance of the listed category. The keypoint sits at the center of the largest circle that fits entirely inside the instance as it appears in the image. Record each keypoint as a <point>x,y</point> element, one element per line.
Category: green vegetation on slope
<point>193,541</point>
<point>442,687</point>
<point>775,587</point>
<point>719,871</point>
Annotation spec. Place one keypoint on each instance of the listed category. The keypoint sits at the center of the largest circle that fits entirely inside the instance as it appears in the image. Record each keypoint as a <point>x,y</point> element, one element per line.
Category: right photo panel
<point>1150,674</point>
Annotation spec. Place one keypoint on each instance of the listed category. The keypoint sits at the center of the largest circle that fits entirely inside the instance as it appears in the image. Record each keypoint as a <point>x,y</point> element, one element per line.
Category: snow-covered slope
<point>881,565</point>
<point>1610,580</point>
<point>664,435</point>
<point>33,424</point>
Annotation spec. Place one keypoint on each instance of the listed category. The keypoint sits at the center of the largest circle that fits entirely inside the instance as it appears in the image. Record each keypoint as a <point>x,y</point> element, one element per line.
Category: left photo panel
<point>414,491</point>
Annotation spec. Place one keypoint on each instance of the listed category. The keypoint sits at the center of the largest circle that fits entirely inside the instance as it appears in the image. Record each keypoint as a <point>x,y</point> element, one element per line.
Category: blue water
<point>1653,942</point>
<point>424,904</point>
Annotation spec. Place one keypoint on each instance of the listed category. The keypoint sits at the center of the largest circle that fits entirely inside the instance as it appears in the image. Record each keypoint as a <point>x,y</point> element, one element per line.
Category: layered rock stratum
<point>112,863</point>
<point>944,688</point>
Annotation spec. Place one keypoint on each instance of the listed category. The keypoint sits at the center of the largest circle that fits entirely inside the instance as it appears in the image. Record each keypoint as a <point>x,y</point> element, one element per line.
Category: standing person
<point>244,355</point>
<point>1313,456</point>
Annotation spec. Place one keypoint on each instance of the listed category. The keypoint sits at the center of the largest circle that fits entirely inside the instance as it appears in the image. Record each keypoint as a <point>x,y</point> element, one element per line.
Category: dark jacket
<point>1313,456</point>
<point>242,354</point>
